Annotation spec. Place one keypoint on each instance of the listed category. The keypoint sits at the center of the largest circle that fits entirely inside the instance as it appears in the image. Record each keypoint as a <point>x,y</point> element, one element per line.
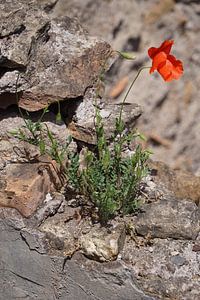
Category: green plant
<point>31,132</point>
<point>73,170</point>
<point>110,180</point>
<point>39,134</point>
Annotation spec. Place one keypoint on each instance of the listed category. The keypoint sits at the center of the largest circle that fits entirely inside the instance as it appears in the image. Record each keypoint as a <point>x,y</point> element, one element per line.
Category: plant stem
<point>119,132</point>
<point>127,93</point>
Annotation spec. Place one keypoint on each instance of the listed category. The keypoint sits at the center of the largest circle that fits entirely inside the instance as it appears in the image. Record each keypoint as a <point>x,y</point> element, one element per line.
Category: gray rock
<point>27,273</point>
<point>12,218</point>
<point>23,272</point>
<point>169,218</point>
<point>178,260</point>
<point>49,207</point>
<point>34,44</point>
<point>108,281</point>
<point>35,240</point>
<point>81,124</point>
<point>62,231</point>
<point>47,5</point>
<point>166,268</point>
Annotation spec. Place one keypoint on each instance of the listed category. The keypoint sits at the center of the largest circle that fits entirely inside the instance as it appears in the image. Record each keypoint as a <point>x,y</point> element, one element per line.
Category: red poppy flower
<point>166,64</point>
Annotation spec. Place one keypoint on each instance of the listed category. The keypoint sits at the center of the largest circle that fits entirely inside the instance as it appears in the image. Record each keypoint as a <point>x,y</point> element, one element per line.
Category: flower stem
<point>120,125</point>
<point>127,93</point>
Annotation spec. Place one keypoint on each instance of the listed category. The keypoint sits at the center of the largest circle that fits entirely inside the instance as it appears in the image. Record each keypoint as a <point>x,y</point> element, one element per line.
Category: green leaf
<point>127,55</point>
<point>42,146</point>
<point>142,137</point>
<point>14,132</point>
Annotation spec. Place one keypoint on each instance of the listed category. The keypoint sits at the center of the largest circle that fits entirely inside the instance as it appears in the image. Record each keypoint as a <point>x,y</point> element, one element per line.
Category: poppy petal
<point>166,71</point>
<point>173,69</point>
<point>177,66</point>
<point>158,61</point>
<point>152,52</point>
<point>164,47</point>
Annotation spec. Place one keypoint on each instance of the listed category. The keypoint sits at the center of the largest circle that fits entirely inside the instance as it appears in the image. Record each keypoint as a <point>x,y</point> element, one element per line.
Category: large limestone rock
<point>44,59</point>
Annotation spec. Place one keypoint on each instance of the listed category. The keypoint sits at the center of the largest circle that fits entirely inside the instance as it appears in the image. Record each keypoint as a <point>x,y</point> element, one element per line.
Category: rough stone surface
<point>162,262</point>
<point>62,231</point>
<point>24,273</point>
<point>169,218</point>
<point>46,59</point>
<point>166,268</point>
<point>81,124</point>
<point>24,187</point>
<point>103,245</point>
<point>50,206</point>
<point>184,185</point>
<point>27,273</point>
<point>35,263</point>
<point>26,176</point>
